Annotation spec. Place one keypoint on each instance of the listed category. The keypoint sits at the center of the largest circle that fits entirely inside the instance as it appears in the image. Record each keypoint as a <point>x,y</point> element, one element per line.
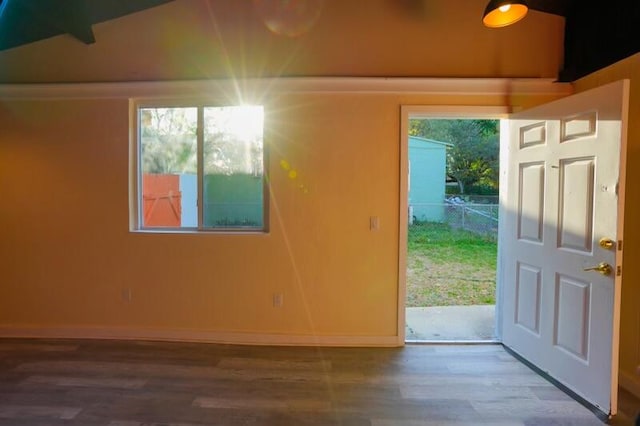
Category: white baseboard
<point>179,335</point>
<point>630,381</point>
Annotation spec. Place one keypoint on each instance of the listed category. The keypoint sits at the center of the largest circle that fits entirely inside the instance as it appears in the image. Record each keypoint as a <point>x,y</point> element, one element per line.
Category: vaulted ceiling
<point>595,36</point>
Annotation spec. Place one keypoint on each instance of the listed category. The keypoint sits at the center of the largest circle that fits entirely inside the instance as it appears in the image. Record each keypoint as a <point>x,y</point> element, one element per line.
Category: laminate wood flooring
<point>135,383</point>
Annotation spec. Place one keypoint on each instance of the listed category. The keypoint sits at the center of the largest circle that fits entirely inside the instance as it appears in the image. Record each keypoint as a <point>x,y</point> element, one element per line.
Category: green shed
<point>427,177</point>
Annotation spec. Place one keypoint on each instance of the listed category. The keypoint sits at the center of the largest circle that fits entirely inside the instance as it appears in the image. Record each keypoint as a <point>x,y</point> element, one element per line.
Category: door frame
<point>443,112</point>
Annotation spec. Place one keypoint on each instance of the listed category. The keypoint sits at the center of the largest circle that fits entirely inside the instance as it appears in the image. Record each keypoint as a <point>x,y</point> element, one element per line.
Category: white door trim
<point>617,303</point>
<point>432,111</point>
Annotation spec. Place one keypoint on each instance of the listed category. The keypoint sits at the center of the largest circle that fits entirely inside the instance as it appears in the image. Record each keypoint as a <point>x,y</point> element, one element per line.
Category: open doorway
<point>561,237</point>
<point>452,199</point>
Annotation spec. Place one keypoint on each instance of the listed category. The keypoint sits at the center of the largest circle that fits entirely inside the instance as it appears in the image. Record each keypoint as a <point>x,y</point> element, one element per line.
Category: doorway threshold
<point>452,342</point>
<point>451,324</point>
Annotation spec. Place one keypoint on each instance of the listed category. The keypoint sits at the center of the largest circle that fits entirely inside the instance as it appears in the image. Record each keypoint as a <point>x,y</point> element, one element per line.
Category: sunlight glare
<point>245,122</point>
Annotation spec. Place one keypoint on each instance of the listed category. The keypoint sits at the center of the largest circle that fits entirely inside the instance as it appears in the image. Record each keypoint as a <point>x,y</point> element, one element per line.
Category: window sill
<point>253,232</point>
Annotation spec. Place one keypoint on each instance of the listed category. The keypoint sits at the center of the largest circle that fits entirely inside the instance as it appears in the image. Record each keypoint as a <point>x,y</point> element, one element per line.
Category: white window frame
<point>135,165</point>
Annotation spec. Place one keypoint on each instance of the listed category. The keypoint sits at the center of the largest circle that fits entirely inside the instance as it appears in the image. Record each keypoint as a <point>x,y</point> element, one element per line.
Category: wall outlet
<point>374,223</point>
<point>126,295</point>
<point>278,300</point>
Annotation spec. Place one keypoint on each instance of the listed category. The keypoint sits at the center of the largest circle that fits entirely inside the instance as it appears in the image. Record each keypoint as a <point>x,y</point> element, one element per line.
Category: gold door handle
<point>603,268</point>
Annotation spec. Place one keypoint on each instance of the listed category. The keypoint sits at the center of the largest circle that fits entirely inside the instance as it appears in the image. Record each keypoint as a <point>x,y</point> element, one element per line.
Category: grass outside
<point>449,266</point>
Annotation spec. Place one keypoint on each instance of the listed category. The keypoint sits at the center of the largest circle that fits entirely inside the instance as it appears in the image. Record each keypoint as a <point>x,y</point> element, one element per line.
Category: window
<point>201,168</point>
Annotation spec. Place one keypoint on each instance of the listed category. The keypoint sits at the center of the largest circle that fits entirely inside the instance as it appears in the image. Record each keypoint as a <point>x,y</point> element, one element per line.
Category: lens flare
<point>292,174</point>
<point>291,18</point>
<point>285,165</point>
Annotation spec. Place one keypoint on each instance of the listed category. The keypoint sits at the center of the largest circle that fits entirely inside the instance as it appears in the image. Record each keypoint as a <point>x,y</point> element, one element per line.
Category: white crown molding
<point>180,335</point>
<point>266,86</point>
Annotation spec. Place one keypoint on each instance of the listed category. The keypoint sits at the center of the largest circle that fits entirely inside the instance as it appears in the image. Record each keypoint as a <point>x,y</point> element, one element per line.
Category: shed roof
<point>426,140</point>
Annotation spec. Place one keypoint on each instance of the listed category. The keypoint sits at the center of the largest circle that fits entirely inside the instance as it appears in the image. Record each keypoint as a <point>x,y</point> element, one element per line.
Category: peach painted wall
<point>630,313</point>
<point>74,264</point>
<point>67,266</point>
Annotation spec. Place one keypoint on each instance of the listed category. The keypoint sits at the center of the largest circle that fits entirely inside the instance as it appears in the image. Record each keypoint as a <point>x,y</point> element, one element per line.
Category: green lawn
<point>448,266</point>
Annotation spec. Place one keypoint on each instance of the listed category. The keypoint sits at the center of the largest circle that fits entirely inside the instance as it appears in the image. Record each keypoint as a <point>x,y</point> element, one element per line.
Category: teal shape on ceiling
<point>26,21</point>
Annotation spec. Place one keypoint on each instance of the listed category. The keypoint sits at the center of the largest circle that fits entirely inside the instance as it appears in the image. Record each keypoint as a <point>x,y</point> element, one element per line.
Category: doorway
<point>451,197</point>
<point>560,243</point>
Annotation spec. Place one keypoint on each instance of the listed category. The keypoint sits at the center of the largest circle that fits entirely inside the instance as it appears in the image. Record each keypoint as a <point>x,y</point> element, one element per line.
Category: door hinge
<point>618,271</point>
<point>619,245</point>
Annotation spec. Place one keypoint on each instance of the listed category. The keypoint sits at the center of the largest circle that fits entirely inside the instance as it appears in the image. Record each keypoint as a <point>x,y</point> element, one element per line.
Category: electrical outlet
<point>374,223</point>
<point>278,300</point>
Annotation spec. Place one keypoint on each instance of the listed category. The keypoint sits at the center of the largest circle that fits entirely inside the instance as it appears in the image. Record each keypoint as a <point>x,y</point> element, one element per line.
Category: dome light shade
<point>500,13</point>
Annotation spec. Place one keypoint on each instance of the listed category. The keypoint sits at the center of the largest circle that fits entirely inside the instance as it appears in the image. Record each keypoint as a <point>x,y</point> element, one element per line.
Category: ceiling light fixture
<point>500,13</point>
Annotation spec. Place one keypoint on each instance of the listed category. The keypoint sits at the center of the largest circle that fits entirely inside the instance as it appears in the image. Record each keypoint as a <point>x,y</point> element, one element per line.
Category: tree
<point>474,156</point>
<point>168,140</point>
<point>232,140</point>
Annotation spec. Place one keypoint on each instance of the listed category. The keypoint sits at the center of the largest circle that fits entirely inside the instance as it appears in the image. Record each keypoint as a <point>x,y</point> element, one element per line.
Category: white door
<point>564,194</point>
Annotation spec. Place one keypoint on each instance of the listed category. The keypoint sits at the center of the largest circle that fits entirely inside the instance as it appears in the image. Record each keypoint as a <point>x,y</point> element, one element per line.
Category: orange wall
<point>74,267</point>
<point>70,267</point>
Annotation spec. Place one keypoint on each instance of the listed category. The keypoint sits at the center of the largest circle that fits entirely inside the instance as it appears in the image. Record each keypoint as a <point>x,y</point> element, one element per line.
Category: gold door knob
<point>602,268</point>
<point>606,243</point>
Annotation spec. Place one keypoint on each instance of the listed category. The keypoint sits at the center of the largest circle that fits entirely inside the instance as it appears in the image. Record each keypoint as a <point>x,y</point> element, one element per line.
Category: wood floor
<point>120,383</point>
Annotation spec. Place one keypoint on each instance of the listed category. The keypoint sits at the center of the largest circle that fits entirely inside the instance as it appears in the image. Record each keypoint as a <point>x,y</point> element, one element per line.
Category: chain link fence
<point>474,217</point>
